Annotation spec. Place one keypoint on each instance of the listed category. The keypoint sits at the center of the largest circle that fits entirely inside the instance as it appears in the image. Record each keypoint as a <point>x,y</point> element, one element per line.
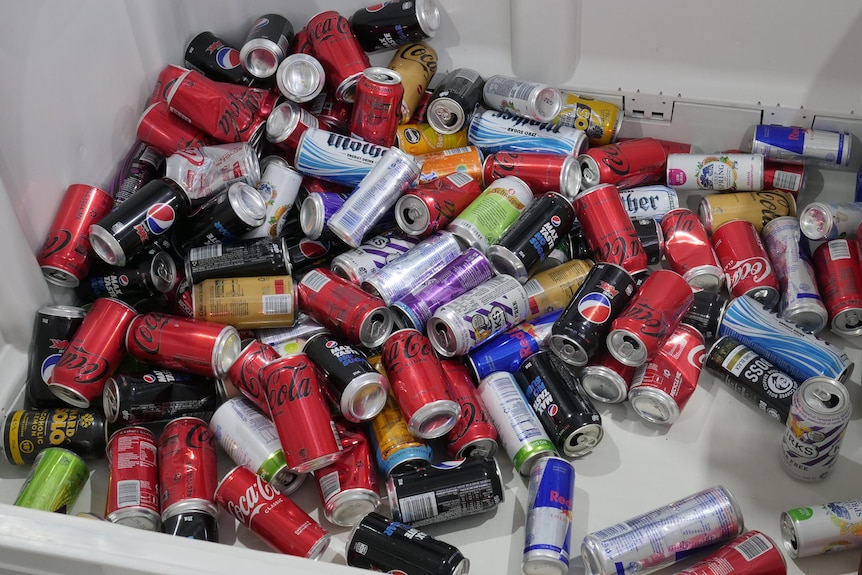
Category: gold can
<point>396,446</point>
<point>246,302</point>
<point>553,289</point>
<point>759,208</point>
<point>467,160</point>
<point>419,139</point>
<point>599,119</point>
<point>416,63</point>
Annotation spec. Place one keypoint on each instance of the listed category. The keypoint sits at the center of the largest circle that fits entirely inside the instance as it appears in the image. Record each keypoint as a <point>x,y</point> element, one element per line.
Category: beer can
<point>445,491</point>
<point>395,447</point>
<point>133,483</point>
<point>187,468</point>
<point>435,165</point>
<point>300,78</point>
<point>819,414</point>
<point>625,164</point>
<point>376,110</point>
<point>719,172</point>
<point>336,158</point>
<point>745,262</point>
<point>830,221</point>
<point>550,290</point>
<point>541,172</point>
<point>216,59</point>
<point>473,435</point>
<point>357,264</point>
<point>652,201</point>
<point>430,207</point>
<point>55,481</point>
<point>707,517</point>
<point>416,64</point>
<point>493,131</point>
<point>154,275</point>
<point>706,312</point>
<point>599,119</point>
<point>838,270</point>
<point>755,207</point>
<point>520,432</point>
<point>818,529</point>
<point>29,432</point>
<point>246,302</point>
<point>607,379</point>
<point>382,27</point>
<point>507,351</point>
<point>266,45</point>
<point>800,145</point>
<point>485,219</point>
<point>548,532</point>
<point>751,552</point>
<point>419,139</point>
<point>454,101</point>
<point>531,100</point>
<point>53,327</point>
<point>166,132</point>
<point>689,252</point>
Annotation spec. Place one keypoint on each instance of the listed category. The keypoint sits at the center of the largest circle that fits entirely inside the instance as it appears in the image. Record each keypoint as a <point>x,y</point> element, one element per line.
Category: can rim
<point>249,50</point>
<point>360,500</point>
<point>419,224</point>
<point>655,397</point>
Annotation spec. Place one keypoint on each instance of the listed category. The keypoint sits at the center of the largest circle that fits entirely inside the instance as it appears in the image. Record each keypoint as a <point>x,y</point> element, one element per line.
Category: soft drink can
<point>482,222</point>
<point>531,100</point>
<point>454,101</point>
<point>140,166</point>
<point>133,483</point>
<point>607,379</point>
<point>207,171</point>
<point>245,258</point>
<point>55,481</point>
<point>830,221</point>
<point>719,172</point>
<point>550,290</point>
<point>541,172</point>
<point>286,126</point>
<point>548,532</point>
<point>689,251</point>
<point>357,264</point>
<point>800,145</point>
<point>336,158</point>
<point>473,434</point>
<point>819,529</point>
<point>467,160</point>
<point>334,44</point>
<point>418,139</point>
<point>745,262</point>
<point>785,177</point>
<point>223,219</point>
<point>167,132</point>
<point>266,45</point>
<point>246,302</point>
<point>610,233</point>
<point>300,78</point>
<point>155,274</point>
<point>652,239</point>
<point>53,328</point>
<point>600,120</point>
<point>158,395</point>
<point>493,131</point>
<point>652,201</point>
<point>216,59</point>
<point>430,207</point>
<point>278,186</point>
<point>755,207</point>
<point>378,104</point>
<point>625,164</point>
<point>332,114</point>
<point>507,351</point>
<point>388,25</point>
<point>395,447</point>
<point>838,270</point>
<point>706,312</point>
<point>315,212</point>
<point>187,468</point>
<point>245,372</point>
<point>750,553</point>
<point>416,64</point>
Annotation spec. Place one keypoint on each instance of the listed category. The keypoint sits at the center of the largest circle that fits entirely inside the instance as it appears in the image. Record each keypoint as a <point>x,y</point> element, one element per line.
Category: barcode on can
<point>612,531</point>
<point>329,485</point>
<point>839,250</point>
<point>205,252</point>
<point>314,280</point>
<point>277,304</point>
<point>787,180</point>
<point>418,507</point>
<point>754,547</point>
<point>460,179</point>
<point>128,493</point>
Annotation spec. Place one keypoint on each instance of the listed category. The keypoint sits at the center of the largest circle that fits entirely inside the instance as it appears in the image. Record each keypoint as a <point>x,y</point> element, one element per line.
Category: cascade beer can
<point>266,45</point>
<point>719,172</point>
<point>652,201</point>
<point>485,219</point>
<point>54,327</point>
<point>166,132</point>
<point>333,43</point>
<point>528,241</point>
<point>493,131</point>
<point>300,78</point>
<point>755,207</point>
<point>357,264</point>
<point>610,233</point>
<point>548,532</point>
<point>819,414</point>
<point>66,255</point>
<point>520,432</point>
<point>55,481</point>
<point>751,552</point>
<point>419,384</point>
<point>838,269</point>
<point>650,318</point>
<point>819,529</point>
<point>830,221</point>
<point>625,164</point>
<point>467,160</point>
<point>245,372</point>
<point>551,290</point>
<point>661,537</point>
<point>745,262</point>
<point>607,379</point>
<point>246,302</point>
<point>507,351</point>
<point>93,354</point>
<point>541,172</point>
<point>454,101</point>
<point>445,491</point>
<point>801,145</point>
<point>395,447</point>
<point>381,544</point>
<point>158,395</point>
<point>419,139</point>
<point>473,435</point>
<point>216,59</point>
<point>689,251</point>
<point>430,207</point>
<point>569,418</point>
<point>385,26</point>
<point>600,120</point>
<point>416,64</point>
<point>376,110</point>
<point>255,257</point>
<point>153,276</point>
<point>580,332</point>
<point>278,186</point>
<point>286,127</point>
<point>277,520</point>
<point>29,432</point>
<point>133,483</point>
<point>336,158</point>
<point>537,102</point>
<point>706,312</point>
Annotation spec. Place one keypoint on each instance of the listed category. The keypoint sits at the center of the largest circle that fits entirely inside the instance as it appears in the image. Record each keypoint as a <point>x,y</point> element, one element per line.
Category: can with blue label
<point>549,517</point>
<point>395,448</point>
<point>799,145</point>
<point>507,351</point>
<point>494,131</point>
<point>336,158</point>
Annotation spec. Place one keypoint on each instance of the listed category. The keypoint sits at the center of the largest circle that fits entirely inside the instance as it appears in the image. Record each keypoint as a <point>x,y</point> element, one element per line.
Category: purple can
<point>507,351</point>
<point>316,210</point>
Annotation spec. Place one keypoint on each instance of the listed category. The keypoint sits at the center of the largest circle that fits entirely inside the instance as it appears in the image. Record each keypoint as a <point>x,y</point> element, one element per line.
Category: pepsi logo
<point>552,409</point>
<point>556,221</point>
<point>331,343</point>
<point>48,366</point>
<point>227,58</point>
<point>595,308</point>
<point>261,22</point>
<point>149,378</point>
<point>160,217</point>
<point>123,280</point>
<point>312,249</point>
<point>377,7</point>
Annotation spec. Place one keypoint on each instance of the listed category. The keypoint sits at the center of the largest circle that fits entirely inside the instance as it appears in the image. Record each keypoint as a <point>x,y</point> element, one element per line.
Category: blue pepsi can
<point>336,158</point>
<point>494,131</point>
<point>549,517</point>
<point>798,145</point>
<point>507,351</point>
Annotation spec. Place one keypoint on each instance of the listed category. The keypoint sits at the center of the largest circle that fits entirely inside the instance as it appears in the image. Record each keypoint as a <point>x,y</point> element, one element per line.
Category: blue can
<point>510,349</point>
<point>336,158</point>
<point>798,145</point>
<point>494,131</point>
<point>395,448</point>
<point>549,516</point>
<point>797,353</point>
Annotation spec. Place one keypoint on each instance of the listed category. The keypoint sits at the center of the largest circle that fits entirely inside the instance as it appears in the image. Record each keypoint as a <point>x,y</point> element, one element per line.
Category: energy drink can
<point>689,252</point>
<point>541,172</point>
<point>507,351</point>
<point>485,219</point>
<point>548,532</point>
<point>333,43</point>
<point>800,145</point>
<point>266,45</point>
<point>28,432</point>
<point>819,529</point>
<point>830,221</point>
<point>357,264</point>
<point>552,289</point>
<point>839,276</point>
<point>430,207</point>
<point>600,120</point>
<point>396,448</point>
<point>473,434</point>
<point>652,201</point>
<point>467,160</point>
<point>537,102</point>
<point>54,327</point>
<point>336,158</point>
<point>133,483</point>
<point>719,172</point>
<point>755,207</point>
<point>375,116</point>
<point>246,302</point>
<point>745,262</point>
<point>455,100</point>
<point>55,481</point>
<point>388,25</point>
<point>607,379</point>
<point>416,64</point>
<point>625,164</point>
<point>493,131</point>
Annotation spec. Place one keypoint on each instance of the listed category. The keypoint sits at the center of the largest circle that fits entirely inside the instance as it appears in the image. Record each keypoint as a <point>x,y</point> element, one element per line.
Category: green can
<point>55,481</point>
<point>482,222</point>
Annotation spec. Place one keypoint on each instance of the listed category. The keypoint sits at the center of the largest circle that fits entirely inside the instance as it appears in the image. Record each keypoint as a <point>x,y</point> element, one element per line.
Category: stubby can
<point>689,251</point>
<point>493,131</point>
<point>54,327</point>
<point>625,164</point>
<point>750,553</point>
<point>357,264</point>
<point>334,44</point>
<point>455,100</point>
<point>430,207</point>
<point>819,529</point>
<point>391,24</point>
<point>745,262</point>
<point>55,481</point>
<point>133,484</point>
<point>599,119</point>
<point>548,532</point>
<point>537,102</point>
<point>800,145</point>
<point>473,434</point>
<point>838,269</point>
<point>759,208</point>
<point>720,172</point>
<point>28,432</point>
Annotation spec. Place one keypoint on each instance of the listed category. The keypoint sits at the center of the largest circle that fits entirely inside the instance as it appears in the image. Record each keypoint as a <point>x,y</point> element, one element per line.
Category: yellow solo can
<point>419,139</point>
<point>246,302</point>
<point>599,119</point>
<point>759,208</point>
<point>553,289</point>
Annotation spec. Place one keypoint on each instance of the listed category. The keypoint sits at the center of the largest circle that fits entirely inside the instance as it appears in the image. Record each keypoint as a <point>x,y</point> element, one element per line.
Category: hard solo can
<point>357,264</point>
<point>600,120</point>
<point>838,269</point>
<point>689,251</point>
<point>133,483</point>
<point>55,481</point>
<point>537,102</point>
<point>493,131</point>
<point>745,262</point>
<point>246,302</point>
<point>377,108</point>
<point>625,164</point>
<point>485,219</point>
<point>752,552</point>
<point>542,172</point>
<point>28,432</point>
<point>338,50</point>
<point>759,208</point>
<point>819,529</point>
<point>430,207</point>
<point>54,327</point>
<point>188,472</point>
<point>548,532</point>
<point>455,100</point>
<point>819,414</point>
<point>158,395</point>
<point>719,172</point>
<point>473,434</point>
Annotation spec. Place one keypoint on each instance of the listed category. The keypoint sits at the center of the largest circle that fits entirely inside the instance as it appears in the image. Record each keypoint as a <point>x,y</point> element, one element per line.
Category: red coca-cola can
<point>164,83</point>
<point>333,114</point>
<point>430,207</point>
<point>745,262</point>
<point>688,250</point>
<point>133,483</point>
<point>300,413</point>
<point>607,379</point>
<point>663,385</point>
<point>338,50</point>
<point>270,515</point>
<point>752,553</point>
<point>377,106</point>
<point>245,373</point>
<point>188,470</point>
<point>66,255</point>
<point>348,487</point>
<point>654,312</point>
<point>419,384</point>
<point>285,127</point>
<point>473,434</point>
<point>610,233</point>
<point>542,172</point>
<point>184,344</point>
<point>167,132</point>
<point>625,164</point>
<point>671,147</point>
<point>93,354</point>
<point>838,270</point>
<point>345,308</point>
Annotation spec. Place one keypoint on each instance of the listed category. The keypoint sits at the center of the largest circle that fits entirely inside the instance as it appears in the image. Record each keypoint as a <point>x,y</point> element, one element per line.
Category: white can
<point>718,172</point>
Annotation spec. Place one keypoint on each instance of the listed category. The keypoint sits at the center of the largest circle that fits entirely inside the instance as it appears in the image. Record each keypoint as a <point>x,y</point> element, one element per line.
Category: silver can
<point>278,187</point>
<point>830,221</point>
<point>649,201</point>
<point>357,264</point>
<point>300,78</point>
<point>527,99</point>
<point>819,529</point>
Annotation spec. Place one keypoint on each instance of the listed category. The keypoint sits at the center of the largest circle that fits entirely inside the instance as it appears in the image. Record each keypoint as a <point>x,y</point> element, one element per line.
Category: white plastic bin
<point>77,74</point>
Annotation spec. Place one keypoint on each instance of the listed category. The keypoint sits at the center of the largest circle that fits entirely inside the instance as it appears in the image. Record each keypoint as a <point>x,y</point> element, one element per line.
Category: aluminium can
<point>286,126</point>
<point>166,132</point>
<point>755,207</point>
<point>55,481</point>
<point>548,533</point>
<point>838,269</point>
<point>785,177</point>
<point>493,131</point>
<point>625,164</point>
<point>455,100</point>
<point>745,263</point>
<point>689,252</point>
<point>751,552</point>
<point>421,138</point>
<point>213,57</point>
<point>245,372</point>
<point>706,312</point>
<point>830,221</point>
<point>153,275</point>
<point>416,64</point>
<point>336,158</point>
<point>600,120</point>
<point>376,110</point>
<point>550,290</point>
<point>818,529</point>
<point>531,100</point>
<point>607,379</point>
<point>473,435</point>
<point>133,483</point>
<point>28,432</point>
<point>718,172</point>
<point>158,395</point>
<point>652,201</point>
<point>652,239</point>
<point>187,465</point>
<point>333,43</point>
<point>800,145</point>
<point>395,447</point>
<point>245,258</point>
<point>541,172</point>
<point>279,187</point>
<point>300,78</point>
<point>435,165</point>
<point>507,351</point>
<point>357,264</point>
<point>389,25</point>
<point>53,328</point>
<point>266,45</point>
<point>316,210</point>
<point>430,207</point>
<point>207,171</point>
<point>485,219</point>
<point>246,302</point>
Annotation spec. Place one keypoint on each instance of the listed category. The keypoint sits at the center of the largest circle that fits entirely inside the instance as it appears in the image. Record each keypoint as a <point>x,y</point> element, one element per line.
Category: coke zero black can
<point>153,276</point>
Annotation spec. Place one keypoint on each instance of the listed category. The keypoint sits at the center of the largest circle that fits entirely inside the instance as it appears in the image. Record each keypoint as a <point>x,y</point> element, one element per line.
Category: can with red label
<point>270,515</point>
<point>782,176</point>
<point>651,317</point>
<point>752,553</point>
<point>688,250</point>
<point>245,371</point>
<point>607,379</point>
<point>300,413</point>
<point>167,132</point>
<point>133,484</point>
<point>334,44</point>
<point>542,172</point>
<point>473,434</point>
<point>838,270</point>
<point>745,262</point>
<point>625,164</point>
<point>430,207</point>
<point>93,354</point>
<point>377,108</point>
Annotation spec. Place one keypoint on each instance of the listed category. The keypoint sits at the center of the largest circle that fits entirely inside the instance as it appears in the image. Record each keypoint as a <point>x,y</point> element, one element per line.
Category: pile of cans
<point>327,268</point>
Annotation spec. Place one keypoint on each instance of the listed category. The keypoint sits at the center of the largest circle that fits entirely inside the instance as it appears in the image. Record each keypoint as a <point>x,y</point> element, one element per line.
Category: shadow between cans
<point>835,564</point>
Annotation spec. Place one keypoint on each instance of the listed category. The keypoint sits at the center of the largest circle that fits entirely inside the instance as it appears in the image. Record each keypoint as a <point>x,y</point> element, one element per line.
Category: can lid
<point>483,447</point>
<point>582,440</point>
<point>570,177</point>
<point>346,91</point>
<point>434,419</point>
<point>445,115</point>
<point>346,508</point>
<point>282,122</point>
<point>247,203</point>
<point>412,215</point>
<point>816,221</point>
<point>811,316</point>
<point>590,173</point>
<point>364,397</point>
<point>627,347</point>
<point>111,400</point>
<point>145,519</point>
<point>535,564</point>
<point>824,395</point>
<point>69,395</point>
<point>505,262</point>
<point>654,405</point>
<point>312,216</point>
<point>163,272</point>
<point>568,350</point>
<point>300,77</point>
<point>428,15</point>
<point>788,534</point>
<point>547,103</point>
<point>64,311</point>
<point>286,481</point>
<point>376,327</point>
<point>260,57</point>
<point>60,277</point>
<point>707,278</point>
<point>603,384</point>
<point>225,350</point>
<point>106,246</point>
<point>381,75</point>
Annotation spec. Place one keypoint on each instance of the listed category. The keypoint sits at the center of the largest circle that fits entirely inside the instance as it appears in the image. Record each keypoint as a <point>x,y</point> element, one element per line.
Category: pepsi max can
<point>548,532</point>
<point>507,351</point>
<point>216,60</point>
<point>494,131</point>
<point>55,325</point>
<point>455,100</point>
<point>388,25</point>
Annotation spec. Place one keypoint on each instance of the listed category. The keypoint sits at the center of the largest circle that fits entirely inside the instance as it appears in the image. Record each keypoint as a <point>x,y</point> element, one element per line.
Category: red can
<point>430,207</point>
<point>745,262</point>
<point>473,434</point>
<point>245,373</point>
<point>66,255</point>
<point>184,344</point>
<point>419,384</point>
<point>606,379</point>
<point>300,413</point>
<point>542,172</point>
<point>654,312</point>
<point>133,484</point>
<point>338,50</point>
<point>377,109</point>
<point>164,83</point>
<point>345,308</point>
<point>348,487</point>
<point>93,354</point>
<point>625,164</point>
<point>270,515</point>
<point>789,178</point>
<point>752,553</point>
<point>838,270</point>
<point>688,250</point>
<point>671,147</point>
<point>610,233</point>
<point>663,385</point>
<point>188,470</point>
<point>332,113</point>
<point>286,125</point>
<point>167,132</point>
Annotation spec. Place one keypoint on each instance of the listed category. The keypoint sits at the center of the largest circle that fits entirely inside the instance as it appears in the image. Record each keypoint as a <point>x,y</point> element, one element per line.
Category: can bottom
<point>808,317</point>
<point>348,507</point>
<point>568,350</point>
<point>69,395</point>
<point>543,563</point>
<point>603,384</point>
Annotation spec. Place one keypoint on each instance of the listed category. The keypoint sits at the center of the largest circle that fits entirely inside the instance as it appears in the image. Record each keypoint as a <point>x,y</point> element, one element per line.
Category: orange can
<point>467,160</point>
<point>246,302</point>
<point>418,139</point>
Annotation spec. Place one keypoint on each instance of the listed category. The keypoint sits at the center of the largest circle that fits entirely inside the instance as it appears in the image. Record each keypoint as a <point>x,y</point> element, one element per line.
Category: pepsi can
<point>216,60</point>
<point>454,100</point>
<point>548,532</point>
<point>54,327</point>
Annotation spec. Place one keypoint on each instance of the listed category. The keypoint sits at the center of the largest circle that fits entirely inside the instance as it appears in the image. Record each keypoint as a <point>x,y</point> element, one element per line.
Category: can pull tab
<point>829,400</point>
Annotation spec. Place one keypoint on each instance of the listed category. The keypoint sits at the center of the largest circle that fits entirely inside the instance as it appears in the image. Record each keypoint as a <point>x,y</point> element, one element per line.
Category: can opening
<point>262,63</point>
<point>829,400</point>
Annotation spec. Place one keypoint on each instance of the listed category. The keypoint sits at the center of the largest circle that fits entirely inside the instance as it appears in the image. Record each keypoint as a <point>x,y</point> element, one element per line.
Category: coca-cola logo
<point>756,268</point>
<point>614,160</point>
<point>54,243</point>
<point>249,504</point>
<point>147,332</point>
<point>679,222</point>
<point>504,164</point>
<point>88,367</point>
<point>619,248</point>
<point>649,320</point>
<point>199,436</point>
<point>289,383</point>
<point>464,422</point>
<point>419,53</point>
<point>444,209</point>
<point>399,352</point>
<point>326,27</point>
<point>773,205</point>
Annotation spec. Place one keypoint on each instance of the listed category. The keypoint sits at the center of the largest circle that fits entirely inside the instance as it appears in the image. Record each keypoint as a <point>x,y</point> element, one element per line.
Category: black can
<point>160,395</point>
<point>381,544</point>
<point>532,237</point>
<point>705,313</point>
<point>652,238</point>
<point>551,389</point>
<point>454,100</point>
<point>53,328</point>
<point>192,524</point>
<point>306,254</point>
<point>154,275</point>
<point>141,165</point>
<point>266,45</point>
<point>577,246</point>
<point>445,491</point>
<point>27,432</point>
<point>245,258</point>
<point>753,376</point>
<point>139,221</point>
<point>215,59</point>
<point>580,332</point>
<point>390,24</point>
<point>359,390</point>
